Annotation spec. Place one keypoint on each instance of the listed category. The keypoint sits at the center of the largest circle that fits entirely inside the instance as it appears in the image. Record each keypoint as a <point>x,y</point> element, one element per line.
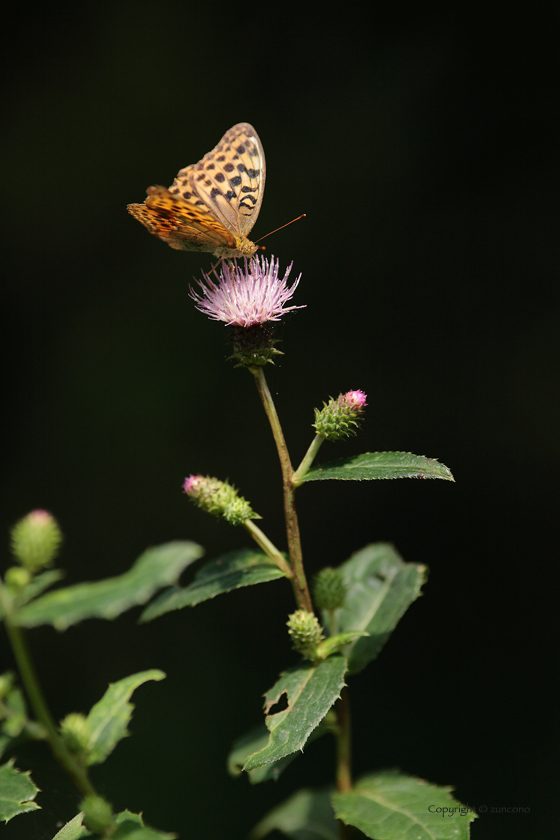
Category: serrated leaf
<point>73,830</point>
<point>380,588</point>
<point>306,815</point>
<point>310,692</point>
<point>108,719</point>
<point>17,792</point>
<point>391,805</point>
<point>379,465</point>
<point>254,741</point>
<point>155,568</point>
<point>245,567</point>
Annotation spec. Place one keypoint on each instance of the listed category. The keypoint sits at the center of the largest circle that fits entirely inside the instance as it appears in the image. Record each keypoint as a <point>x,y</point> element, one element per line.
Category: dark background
<point>419,140</point>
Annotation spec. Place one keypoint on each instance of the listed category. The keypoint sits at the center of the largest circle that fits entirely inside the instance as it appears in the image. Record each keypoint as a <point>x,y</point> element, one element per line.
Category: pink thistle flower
<point>192,483</point>
<point>246,296</point>
<point>354,399</point>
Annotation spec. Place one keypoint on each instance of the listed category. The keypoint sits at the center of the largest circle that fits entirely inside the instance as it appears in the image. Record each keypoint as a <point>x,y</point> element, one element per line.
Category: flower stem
<point>22,655</point>
<point>308,459</point>
<point>299,581</point>
<point>343,743</point>
<point>269,548</point>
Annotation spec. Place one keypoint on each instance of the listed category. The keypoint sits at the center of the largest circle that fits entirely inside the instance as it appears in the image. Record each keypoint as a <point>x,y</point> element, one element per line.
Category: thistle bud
<point>329,589</point>
<point>17,577</point>
<point>36,539</point>
<point>75,731</point>
<point>340,418</point>
<point>98,813</point>
<point>219,499</point>
<point>305,632</point>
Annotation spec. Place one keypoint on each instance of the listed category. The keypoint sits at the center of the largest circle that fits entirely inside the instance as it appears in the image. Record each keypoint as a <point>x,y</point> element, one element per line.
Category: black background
<point>419,140</point>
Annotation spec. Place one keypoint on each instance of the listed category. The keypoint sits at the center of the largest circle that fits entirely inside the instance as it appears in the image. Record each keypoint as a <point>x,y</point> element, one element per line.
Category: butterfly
<point>211,205</point>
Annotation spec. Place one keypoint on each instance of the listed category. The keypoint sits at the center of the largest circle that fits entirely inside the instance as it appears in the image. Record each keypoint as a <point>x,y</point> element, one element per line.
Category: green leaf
<point>17,792</point>
<point>372,465</point>
<point>38,584</point>
<point>73,830</point>
<point>391,806</point>
<point>155,568</point>
<point>254,741</point>
<point>310,692</point>
<point>232,571</point>
<point>306,815</point>
<point>131,827</point>
<point>14,713</point>
<point>380,588</point>
<point>329,646</point>
<point>108,719</point>
<point>15,727</point>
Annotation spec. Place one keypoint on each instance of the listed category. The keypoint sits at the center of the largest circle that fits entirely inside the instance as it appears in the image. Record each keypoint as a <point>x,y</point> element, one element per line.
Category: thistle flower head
<point>246,296</point>
<point>219,499</point>
<point>340,418</point>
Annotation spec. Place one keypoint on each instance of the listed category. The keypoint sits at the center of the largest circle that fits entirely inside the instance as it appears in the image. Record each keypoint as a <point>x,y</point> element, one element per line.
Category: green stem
<point>38,703</point>
<point>308,459</point>
<point>333,622</point>
<point>343,743</point>
<point>269,548</point>
<point>299,581</point>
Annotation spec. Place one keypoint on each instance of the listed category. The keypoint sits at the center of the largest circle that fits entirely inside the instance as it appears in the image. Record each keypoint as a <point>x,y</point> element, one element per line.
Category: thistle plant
<point>338,625</point>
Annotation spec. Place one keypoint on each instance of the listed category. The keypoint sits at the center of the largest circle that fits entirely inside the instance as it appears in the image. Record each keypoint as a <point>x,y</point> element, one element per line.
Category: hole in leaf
<point>280,706</point>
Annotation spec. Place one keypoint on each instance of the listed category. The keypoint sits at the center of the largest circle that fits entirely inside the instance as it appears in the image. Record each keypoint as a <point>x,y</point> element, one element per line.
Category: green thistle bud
<point>219,499</point>
<point>98,813</point>
<point>340,418</point>
<point>17,577</point>
<point>35,540</point>
<point>329,589</point>
<point>305,632</point>
<point>75,732</point>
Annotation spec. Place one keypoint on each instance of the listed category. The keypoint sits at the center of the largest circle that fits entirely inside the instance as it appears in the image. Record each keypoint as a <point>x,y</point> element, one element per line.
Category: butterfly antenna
<point>281,226</point>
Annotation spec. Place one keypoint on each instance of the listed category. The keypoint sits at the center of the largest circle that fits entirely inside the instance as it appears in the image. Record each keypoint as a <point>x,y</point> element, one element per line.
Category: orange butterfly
<point>211,205</point>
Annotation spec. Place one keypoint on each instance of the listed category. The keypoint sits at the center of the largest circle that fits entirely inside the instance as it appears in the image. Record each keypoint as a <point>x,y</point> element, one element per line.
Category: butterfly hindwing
<point>229,180</point>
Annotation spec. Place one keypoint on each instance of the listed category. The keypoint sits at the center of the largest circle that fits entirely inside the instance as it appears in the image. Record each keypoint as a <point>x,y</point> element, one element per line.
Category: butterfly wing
<point>185,226</point>
<point>229,180</point>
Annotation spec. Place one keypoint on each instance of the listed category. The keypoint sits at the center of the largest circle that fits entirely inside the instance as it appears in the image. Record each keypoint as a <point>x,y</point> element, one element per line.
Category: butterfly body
<point>212,205</point>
